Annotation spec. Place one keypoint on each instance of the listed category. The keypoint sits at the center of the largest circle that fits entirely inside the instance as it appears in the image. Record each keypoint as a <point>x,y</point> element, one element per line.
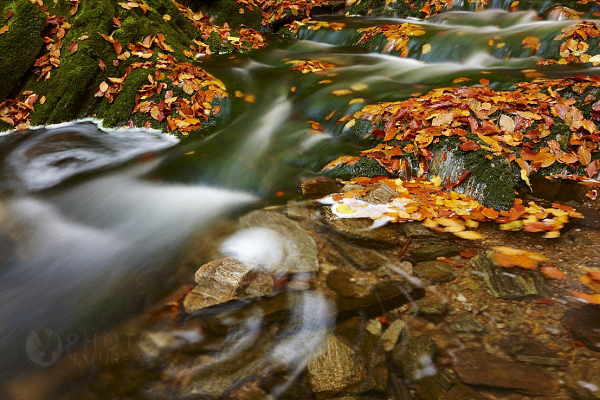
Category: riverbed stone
<point>415,357</point>
<point>434,272</point>
<point>319,187</point>
<point>390,336</point>
<point>344,284</point>
<point>417,230</point>
<point>386,271</point>
<point>434,249</point>
<point>584,324</point>
<point>359,229</point>
<point>475,367</point>
<point>582,381</point>
<point>530,350</point>
<point>379,193</point>
<point>335,366</point>
<point>465,323</point>
<point>359,256</point>
<point>430,309</point>
<point>510,284</point>
<point>300,248</point>
<point>444,387</point>
<point>224,280</point>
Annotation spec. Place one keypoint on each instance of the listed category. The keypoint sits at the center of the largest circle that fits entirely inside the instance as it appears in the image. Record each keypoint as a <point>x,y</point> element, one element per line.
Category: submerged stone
<point>390,336</point>
<point>360,257</point>
<point>584,324</point>
<point>434,272</point>
<point>433,250</point>
<point>444,387</point>
<point>344,285</point>
<point>509,284</point>
<point>582,381</point>
<point>415,357</point>
<point>465,323</point>
<point>430,309</point>
<point>474,367</point>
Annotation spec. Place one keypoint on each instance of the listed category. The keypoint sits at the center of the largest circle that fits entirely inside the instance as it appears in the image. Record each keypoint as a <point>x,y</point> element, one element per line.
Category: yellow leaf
<point>470,235</point>
<point>167,17</point>
<point>426,48</point>
<point>344,209</point>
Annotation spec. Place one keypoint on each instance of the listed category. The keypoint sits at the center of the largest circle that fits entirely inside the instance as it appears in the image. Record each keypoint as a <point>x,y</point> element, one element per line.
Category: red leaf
<point>469,146</point>
<point>118,47</point>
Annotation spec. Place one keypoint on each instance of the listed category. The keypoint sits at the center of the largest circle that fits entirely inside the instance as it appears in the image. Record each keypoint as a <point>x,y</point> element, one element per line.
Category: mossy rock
<point>229,11</point>
<point>21,44</point>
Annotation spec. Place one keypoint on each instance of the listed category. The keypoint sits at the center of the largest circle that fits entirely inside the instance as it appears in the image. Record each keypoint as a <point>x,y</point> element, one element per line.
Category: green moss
<point>228,11</point>
<point>498,175</point>
<point>20,45</point>
<point>119,112</point>
<point>365,167</point>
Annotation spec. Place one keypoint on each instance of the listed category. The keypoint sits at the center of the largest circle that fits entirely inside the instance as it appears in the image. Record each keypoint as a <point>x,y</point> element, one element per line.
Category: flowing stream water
<point>99,219</point>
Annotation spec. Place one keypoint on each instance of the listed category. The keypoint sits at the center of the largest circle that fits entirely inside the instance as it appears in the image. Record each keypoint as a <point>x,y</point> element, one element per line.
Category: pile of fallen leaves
<point>515,124</point>
<point>273,10</point>
<point>575,48</point>
<point>446,211</point>
<point>306,66</point>
<point>312,25</point>
<point>241,39</point>
<point>16,112</point>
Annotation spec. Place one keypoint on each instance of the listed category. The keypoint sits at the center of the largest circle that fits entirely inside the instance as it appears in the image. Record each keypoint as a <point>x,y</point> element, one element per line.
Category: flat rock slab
<point>433,272</point>
<point>474,367</point>
<point>433,250</point>
<point>584,324</point>
<point>510,284</point>
<point>300,249</point>
<point>359,256</point>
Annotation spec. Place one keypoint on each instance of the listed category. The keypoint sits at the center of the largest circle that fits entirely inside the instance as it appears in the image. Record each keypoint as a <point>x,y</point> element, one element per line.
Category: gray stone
<point>475,367</point>
<point>431,251</point>
<point>300,250</point>
<point>464,323</point>
<point>582,381</point>
<point>335,366</point>
<point>417,230</point>
<point>432,272</point>
<point>224,280</point>
<point>319,187</point>
<point>351,186</point>
<point>584,324</point>
<point>415,357</point>
<point>390,336</point>
<point>379,193</point>
<point>509,284</point>
<point>359,229</point>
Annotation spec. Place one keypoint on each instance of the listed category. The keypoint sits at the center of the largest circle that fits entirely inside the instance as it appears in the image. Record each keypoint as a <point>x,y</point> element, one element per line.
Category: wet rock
<point>299,248</point>
<point>430,309</point>
<point>531,351</point>
<point>582,381</point>
<point>444,387</point>
<point>390,336</point>
<point>344,284</point>
<point>464,323</point>
<point>433,272</point>
<point>509,284</point>
<point>431,251</point>
<point>379,193</point>
<point>335,366</point>
<point>415,357</point>
<point>319,187</point>
<point>360,257</point>
<point>474,367</point>
<point>155,344</point>
<point>584,324</point>
<point>417,230</point>
<point>351,186</point>
<point>224,280</point>
<point>387,272</point>
<point>359,229</point>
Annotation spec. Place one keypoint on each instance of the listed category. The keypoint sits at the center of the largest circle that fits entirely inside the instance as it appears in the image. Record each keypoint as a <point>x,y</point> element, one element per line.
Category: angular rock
<point>582,381</point>
<point>379,193</point>
<point>360,257</point>
<point>390,336</point>
<point>444,387</point>
<point>335,366</point>
<point>584,324</point>
<point>415,357</point>
<point>464,323</point>
<point>319,187</point>
<point>359,229</point>
<point>432,310</point>
<point>223,280</point>
<point>431,251</point>
<point>433,272</point>
<point>300,249</point>
<point>509,284</point>
<point>474,367</point>
<point>531,351</point>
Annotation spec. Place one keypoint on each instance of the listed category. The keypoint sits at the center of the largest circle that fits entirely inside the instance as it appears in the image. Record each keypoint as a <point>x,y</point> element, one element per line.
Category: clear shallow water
<point>98,221</point>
